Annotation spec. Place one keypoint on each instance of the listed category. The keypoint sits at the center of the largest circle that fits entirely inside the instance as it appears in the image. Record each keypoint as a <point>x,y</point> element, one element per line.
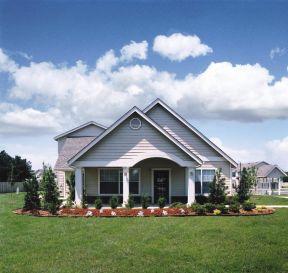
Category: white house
<point>153,151</point>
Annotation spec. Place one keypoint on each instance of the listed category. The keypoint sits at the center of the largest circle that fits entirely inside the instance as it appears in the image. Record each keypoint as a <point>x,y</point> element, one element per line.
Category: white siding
<point>126,144</point>
<point>226,171</point>
<point>90,130</point>
<point>91,181</point>
<point>181,132</point>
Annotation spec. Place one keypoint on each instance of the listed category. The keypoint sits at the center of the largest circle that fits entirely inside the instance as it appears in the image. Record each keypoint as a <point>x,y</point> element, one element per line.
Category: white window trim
<point>120,169</point>
<point>201,182</point>
<point>152,182</point>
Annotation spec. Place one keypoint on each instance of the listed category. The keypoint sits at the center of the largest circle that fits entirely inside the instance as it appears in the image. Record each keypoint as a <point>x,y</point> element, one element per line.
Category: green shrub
<point>234,207</point>
<point>248,206</point>
<point>200,210</point>
<point>113,202</point>
<point>98,203</point>
<point>31,200</point>
<point>177,205</point>
<point>161,202</point>
<point>216,212</point>
<point>130,204</point>
<point>217,189</point>
<point>201,199</point>
<point>145,200</point>
<point>222,208</point>
<point>209,207</point>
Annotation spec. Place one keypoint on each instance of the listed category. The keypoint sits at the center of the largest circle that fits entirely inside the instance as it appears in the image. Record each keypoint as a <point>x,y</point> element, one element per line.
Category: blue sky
<point>60,33</point>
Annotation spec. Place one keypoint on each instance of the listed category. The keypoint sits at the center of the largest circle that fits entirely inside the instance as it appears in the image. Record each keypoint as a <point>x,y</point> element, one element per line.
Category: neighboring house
<point>153,151</point>
<point>269,177</point>
<point>39,175</point>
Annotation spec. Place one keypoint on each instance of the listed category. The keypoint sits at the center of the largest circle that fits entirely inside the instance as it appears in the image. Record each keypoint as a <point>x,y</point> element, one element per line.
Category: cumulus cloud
<point>277,51</point>
<point>134,51</point>
<point>178,47</point>
<point>61,96</point>
<point>273,151</point>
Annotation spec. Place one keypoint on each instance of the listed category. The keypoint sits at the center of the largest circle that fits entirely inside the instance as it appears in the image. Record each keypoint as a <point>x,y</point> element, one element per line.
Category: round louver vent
<point>135,123</point>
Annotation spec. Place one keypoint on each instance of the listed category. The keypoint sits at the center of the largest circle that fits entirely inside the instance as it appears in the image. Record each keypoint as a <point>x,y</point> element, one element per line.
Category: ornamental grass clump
<point>209,207</point>
<point>222,208</point>
<point>217,212</point>
<point>98,203</point>
<point>199,209</point>
<point>234,207</point>
<point>177,205</point>
<point>113,202</point>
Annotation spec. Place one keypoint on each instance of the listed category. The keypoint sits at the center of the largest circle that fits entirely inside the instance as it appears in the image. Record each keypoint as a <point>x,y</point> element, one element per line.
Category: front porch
<point>154,177</point>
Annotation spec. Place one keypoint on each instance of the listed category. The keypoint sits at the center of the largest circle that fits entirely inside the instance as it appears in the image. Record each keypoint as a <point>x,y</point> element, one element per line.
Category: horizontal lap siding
<point>181,132</point>
<point>125,143</point>
<point>90,130</point>
<point>275,174</point>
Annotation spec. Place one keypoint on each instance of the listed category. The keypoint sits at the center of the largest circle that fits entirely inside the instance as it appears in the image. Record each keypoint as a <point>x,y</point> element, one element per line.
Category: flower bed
<point>122,212</point>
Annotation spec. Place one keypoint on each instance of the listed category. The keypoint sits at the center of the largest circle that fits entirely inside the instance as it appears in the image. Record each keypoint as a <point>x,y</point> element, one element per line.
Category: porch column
<point>125,185</point>
<point>270,189</point>
<point>78,187</point>
<point>190,182</point>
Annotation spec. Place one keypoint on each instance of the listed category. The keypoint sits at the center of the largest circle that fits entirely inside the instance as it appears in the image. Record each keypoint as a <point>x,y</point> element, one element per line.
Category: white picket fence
<point>6,187</point>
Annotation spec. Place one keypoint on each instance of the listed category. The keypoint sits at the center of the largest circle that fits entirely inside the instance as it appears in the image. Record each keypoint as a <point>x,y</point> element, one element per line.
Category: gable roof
<point>123,118</point>
<point>80,127</point>
<point>251,164</point>
<point>71,147</point>
<point>189,126</point>
<point>262,171</point>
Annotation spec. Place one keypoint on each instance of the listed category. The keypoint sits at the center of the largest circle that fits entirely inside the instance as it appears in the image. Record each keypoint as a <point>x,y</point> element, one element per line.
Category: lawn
<point>189,244</point>
<point>269,200</point>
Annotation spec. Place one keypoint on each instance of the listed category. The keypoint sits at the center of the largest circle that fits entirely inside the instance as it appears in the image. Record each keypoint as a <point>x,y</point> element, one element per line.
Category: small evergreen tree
<point>245,184</point>
<point>217,189</point>
<point>71,185</point>
<point>51,193</point>
<point>31,200</point>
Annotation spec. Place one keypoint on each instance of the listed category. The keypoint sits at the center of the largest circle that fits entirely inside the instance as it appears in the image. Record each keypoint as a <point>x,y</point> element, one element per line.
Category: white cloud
<point>61,96</point>
<point>273,151</point>
<point>277,51</point>
<point>134,51</point>
<point>178,47</point>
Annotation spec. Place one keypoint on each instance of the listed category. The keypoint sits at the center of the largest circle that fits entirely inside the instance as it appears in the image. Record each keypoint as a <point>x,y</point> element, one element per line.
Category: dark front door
<point>161,185</point>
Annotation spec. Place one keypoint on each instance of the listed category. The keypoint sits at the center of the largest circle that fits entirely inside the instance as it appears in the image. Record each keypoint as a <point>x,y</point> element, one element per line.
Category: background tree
<point>51,200</point>
<point>15,169</point>
<point>31,200</point>
<point>247,181</point>
<point>217,189</point>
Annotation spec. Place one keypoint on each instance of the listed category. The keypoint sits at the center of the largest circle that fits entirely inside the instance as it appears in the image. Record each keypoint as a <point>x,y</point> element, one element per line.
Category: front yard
<point>269,200</point>
<point>191,244</point>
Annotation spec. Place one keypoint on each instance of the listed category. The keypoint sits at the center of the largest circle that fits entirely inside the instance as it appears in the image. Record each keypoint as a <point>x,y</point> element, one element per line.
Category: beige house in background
<point>153,151</point>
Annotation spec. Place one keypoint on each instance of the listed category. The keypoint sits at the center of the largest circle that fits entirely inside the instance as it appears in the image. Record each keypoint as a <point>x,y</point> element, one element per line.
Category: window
<point>135,123</point>
<point>111,181</point>
<point>202,179</point>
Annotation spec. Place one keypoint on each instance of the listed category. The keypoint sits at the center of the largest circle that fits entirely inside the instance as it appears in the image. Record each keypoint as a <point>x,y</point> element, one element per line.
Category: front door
<point>161,185</point>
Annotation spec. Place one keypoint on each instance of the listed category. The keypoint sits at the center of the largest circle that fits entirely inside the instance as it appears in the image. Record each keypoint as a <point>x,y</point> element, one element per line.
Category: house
<point>153,151</point>
<point>269,177</point>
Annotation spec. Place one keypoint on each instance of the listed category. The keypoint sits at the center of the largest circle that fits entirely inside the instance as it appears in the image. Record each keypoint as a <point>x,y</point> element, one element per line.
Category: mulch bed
<point>123,212</point>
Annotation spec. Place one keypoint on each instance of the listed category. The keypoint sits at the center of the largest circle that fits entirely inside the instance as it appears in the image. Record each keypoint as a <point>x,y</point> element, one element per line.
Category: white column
<point>125,185</point>
<point>270,190</point>
<point>190,182</point>
<point>78,187</point>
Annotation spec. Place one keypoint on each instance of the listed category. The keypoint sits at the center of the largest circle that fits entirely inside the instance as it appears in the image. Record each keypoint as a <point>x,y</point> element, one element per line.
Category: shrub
<point>222,208</point>
<point>177,205</point>
<point>217,189</point>
<point>113,202</point>
<point>32,200</point>
<point>51,195</point>
<point>209,207</point>
<point>200,210</point>
<point>201,199</point>
<point>71,185</point>
<point>84,203</point>
<point>98,203</point>
<point>216,212</point>
<point>145,200</point>
<point>161,202</point>
<point>247,181</point>
<point>234,207</point>
<point>248,206</point>
<point>130,204</point>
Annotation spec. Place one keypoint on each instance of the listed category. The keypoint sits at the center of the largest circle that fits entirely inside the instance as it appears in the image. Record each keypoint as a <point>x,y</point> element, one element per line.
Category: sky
<point>222,65</point>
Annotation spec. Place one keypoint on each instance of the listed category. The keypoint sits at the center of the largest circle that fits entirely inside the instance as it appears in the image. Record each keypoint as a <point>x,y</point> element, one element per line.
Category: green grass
<point>269,200</point>
<point>189,244</point>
